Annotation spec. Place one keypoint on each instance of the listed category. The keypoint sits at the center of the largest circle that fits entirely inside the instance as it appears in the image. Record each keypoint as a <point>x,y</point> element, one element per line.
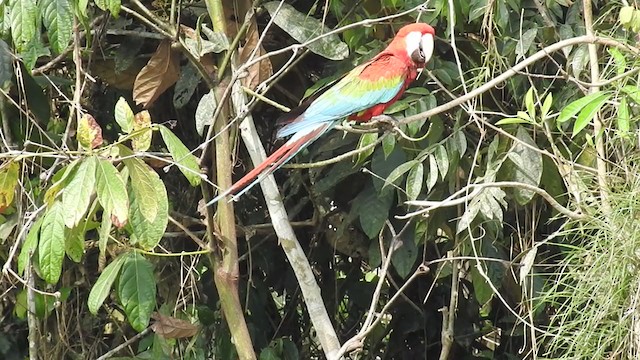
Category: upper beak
<point>426,44</point>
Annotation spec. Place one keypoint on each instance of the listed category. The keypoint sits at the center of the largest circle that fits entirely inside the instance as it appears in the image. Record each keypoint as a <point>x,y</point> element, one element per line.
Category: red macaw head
<point>417,41</point>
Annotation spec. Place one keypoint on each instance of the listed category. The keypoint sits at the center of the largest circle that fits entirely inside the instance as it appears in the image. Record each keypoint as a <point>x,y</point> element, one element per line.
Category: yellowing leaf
<point>143,180</point>
<point>141,141</point>
<point>60,180</point>
<point>89,133</point>
<point>8,182</point>
<point>172,328</point>
<point>124,115</point>
<point>160,73</point>
<point>112,192</point>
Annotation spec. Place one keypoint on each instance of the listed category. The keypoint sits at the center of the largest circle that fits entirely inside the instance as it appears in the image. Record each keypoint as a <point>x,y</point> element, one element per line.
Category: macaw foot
<point>386,122</point>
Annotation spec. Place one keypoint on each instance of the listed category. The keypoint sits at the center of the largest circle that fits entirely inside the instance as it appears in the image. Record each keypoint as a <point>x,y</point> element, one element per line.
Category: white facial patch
<point>412,41</point>
<point>426,43</point>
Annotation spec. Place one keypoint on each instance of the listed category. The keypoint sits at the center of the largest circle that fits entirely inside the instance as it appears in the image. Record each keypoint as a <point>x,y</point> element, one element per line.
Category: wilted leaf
<point>8,181</point>
<point>51,247</point>
<point>527,264</point>
<point>160,73</point>
<point>58,19</point>
<point>23,15</point>
<point>124,115</point>
<point>137,290</point>
<point>77,194</point>
<point>141,141</point>
<point>181,155</point>
<point>205,110</point>
<point>89,133</point>
<point>102,287</point>
<point>171,328</point>
<point>304,28</point>
<point>198,46</point>
<point>112,192</point>
<point>260,71</point>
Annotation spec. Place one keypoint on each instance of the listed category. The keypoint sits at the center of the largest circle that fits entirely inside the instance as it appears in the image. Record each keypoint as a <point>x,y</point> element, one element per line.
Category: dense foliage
<point>493,217</point>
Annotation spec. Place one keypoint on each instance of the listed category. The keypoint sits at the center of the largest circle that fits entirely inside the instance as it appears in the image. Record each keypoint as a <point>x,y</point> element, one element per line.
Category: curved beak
<point>426,44</point>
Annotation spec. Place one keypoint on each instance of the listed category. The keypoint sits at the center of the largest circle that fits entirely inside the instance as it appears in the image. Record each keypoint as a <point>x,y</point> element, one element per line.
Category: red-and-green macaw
<point>364,92</point>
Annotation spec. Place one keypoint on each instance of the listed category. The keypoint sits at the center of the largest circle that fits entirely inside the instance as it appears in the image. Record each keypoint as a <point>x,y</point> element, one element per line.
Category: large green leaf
<point>181,155</point>
<point>77,194</point>
<point>588,112</point>
<point>112,192</point>
<point>143,184</point>
<point>102,287</point>
<point>23,15</point>
<point>137,290</point>
<point>304,28</point>
<point>576,106</point>
<point>147,233</point>
<point>528,165</point>
<point>51,247</point>
<point>58,19</point>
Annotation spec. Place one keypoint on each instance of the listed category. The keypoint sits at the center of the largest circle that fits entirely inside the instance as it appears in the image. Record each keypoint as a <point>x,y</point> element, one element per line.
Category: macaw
<point>364,92</point>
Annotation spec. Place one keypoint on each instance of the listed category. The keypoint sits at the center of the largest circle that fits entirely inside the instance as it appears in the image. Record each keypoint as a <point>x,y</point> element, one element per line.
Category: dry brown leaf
<point>160,73</point>
<point>261,71</point>
<point>171,328</point>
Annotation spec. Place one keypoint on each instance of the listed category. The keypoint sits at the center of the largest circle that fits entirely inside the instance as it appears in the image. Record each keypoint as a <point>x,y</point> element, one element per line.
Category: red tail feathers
<point>273,162</point>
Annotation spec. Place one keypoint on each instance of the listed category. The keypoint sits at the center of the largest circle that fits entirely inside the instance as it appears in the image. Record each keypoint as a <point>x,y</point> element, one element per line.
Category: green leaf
<point>6,65</point>
<point>102,287</point>
<point>633,92</point>
<point>112,192</point>
<point>588,112</point>
<point>442,159</point>
<point>624,119</point>
<point>113,6</point>
<point>404,258</point>
<point>51,247</point>
<point>373,210</point>
<point>399,171</point>
<point>58,19</point>
<point>30,245</point>
<point>366,140</point>
<point>74,241</point>
<point>23,14</point>
<point>103,234</point>
<point>516,120</point>
<point>77,194</point>
<point>415,179</point>
<point>528,165</point>
<point>525,42</point>
<point>432,176</point>
<point>626,14</point>
<point>546,106</point>
<point>137,290</point>
<point>388,144</point>
<point>8,181</point>
<point>147,234</point>
<point>143,180</point>
<point>124,115</point>
<point>530,104</point>
<point>205,110</point>
<point>304,28</point>
<point>574,107</point>
<point>620,60</point>
<point>181,155</point>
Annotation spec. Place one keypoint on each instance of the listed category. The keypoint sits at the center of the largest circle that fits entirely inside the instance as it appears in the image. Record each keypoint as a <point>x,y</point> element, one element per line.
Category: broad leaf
<point>124,115</point>
<point>185,86</point>
<point>74,242</point>
<point>23,15</point>
<point>366,140</point>
<point>77,194</point>
<point>60,180</point>
<point>588,112</point>
<point>160,73</point>
<point>58,19</point>
<point>8,181</point>
<point>112,192</point>
<point>102,287</point>
<point>113,6</point>
<point>573,108</point>
<point>415,180</point>
<point>89,133</point>
<point>205,110</point>
<point>147,234</point>
<point>525,42</point>
<point>404,258</point>
<point>137,290</point>
<point>51,247</point>
<point>143,184</point>
<point>188,163</point>
<point>399,171</point>
<point>304,28</point>
<point>373,209</point>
